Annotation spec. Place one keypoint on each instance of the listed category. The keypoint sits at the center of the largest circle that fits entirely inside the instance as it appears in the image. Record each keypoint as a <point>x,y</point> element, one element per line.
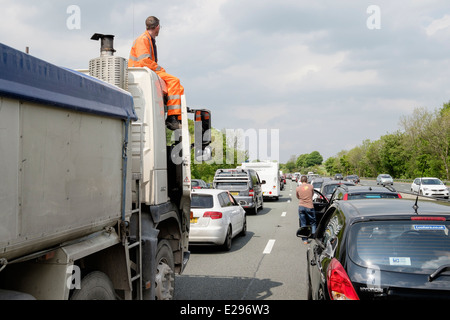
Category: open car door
<point>321,205</point>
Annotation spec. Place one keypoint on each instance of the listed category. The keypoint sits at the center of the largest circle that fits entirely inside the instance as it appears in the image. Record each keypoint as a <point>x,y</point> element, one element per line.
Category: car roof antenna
<point>415,206</point>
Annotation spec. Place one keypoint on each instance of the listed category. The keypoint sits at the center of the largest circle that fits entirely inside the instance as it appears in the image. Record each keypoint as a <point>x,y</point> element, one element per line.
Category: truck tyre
<point>95,286</point>
<point>165,275</point>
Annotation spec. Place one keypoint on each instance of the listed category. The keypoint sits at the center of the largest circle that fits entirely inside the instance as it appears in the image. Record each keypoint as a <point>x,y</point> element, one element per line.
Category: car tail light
<point>400,196</point>
<point>251,192</point>
<point>345,197</point>
<point>415,218</point>
<point>339,285</point>
<point>213,214</point>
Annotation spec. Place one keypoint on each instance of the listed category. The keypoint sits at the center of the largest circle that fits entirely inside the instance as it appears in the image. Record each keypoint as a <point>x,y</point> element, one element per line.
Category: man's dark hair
<point>304,179</point>
<point>151,22</point>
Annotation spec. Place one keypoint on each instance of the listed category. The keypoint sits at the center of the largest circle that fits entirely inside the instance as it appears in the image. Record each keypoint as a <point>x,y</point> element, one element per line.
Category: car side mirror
<point>304,232</point>
<point>263,182</point>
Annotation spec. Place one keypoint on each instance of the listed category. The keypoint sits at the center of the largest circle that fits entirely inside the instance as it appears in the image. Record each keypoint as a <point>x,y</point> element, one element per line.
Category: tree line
<point>419,148</point>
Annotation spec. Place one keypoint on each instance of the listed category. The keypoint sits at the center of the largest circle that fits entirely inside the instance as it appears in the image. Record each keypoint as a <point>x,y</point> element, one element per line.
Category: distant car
<point>432,187</point>
<point>317,183</point>
<point>352,178</point>
<point>338,176</point>
<point>329,186</point>
<point>244,185</point>
<point>379,249</point>
<point>321,198</point>
<point>198,184</point>
<point>385,179</point>
<point>216,218</point>
<point>282,181</point>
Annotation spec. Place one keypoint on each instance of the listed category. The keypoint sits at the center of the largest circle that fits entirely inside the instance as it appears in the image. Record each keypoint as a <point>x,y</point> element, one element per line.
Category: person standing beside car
<point>306,212</point>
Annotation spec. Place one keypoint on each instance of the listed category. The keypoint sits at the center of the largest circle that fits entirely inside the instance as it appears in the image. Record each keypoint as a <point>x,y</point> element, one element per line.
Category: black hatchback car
<point>380,249</point>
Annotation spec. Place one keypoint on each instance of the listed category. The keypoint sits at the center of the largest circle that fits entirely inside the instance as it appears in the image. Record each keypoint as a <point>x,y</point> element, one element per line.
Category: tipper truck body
<point>91,194</point>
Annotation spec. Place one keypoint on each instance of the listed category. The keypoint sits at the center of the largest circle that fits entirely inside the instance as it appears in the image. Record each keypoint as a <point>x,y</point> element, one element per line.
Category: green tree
<point>313,159</point>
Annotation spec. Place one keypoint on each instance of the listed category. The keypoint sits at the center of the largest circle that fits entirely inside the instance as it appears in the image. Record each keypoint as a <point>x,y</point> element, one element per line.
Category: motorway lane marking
<point>269,246</point>
<point>284,214</point>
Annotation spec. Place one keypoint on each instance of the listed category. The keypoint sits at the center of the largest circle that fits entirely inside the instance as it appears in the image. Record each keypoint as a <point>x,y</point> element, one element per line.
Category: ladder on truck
<point>133,244</point>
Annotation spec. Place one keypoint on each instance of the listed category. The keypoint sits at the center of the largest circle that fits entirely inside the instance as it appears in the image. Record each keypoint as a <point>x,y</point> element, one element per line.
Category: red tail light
<point>345,197</point>
<point>212,215</point>
<point>339,285</point>
<point>399,196</point>
<point>251,192</point>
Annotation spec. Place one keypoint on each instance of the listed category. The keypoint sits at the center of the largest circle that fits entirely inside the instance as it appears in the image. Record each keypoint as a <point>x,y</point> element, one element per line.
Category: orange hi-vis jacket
<point>142,54</point>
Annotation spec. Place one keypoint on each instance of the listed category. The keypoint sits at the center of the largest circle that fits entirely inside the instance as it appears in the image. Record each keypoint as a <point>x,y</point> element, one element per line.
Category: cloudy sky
<point>317,75</point>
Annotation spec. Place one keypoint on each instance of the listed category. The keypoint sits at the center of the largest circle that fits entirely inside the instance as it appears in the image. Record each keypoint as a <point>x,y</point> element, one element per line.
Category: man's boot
<point>172,123</point>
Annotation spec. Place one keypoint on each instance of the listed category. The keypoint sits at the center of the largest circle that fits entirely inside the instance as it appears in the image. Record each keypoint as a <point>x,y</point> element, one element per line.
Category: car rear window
<point>202,201</point>
<point>404,246</point>
<point>236,186</point>
<point>371,195</point>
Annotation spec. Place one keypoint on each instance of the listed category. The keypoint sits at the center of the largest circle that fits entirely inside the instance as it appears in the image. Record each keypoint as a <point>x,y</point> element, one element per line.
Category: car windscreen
<point>317,185</point>
<point>371,195</point>
<point>202,201</point>
<point>329,189</point>
<point>232,186</point>
<point>405,246</point>
<point>432,181</point>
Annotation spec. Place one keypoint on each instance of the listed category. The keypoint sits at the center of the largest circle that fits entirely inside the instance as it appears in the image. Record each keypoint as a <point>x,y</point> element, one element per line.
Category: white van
<point>270,172</point>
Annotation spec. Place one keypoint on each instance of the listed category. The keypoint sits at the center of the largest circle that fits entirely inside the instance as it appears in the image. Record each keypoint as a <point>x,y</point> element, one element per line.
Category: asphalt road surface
<point>269,263</point>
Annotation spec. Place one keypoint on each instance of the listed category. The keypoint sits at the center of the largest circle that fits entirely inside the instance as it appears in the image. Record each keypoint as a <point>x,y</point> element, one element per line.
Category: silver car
<point>385,179</point>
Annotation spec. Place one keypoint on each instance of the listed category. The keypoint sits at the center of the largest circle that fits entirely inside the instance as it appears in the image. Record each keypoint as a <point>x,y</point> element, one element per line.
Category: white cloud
<point>438,25</point>
<point>285,64</point>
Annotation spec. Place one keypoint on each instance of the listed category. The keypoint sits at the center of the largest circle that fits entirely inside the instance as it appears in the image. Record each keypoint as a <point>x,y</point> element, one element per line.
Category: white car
<point>432,187</point>
<point>216,218</point>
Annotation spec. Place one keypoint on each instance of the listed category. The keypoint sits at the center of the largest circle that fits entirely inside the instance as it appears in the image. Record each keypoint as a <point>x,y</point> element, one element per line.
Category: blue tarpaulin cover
<point>27,78</point>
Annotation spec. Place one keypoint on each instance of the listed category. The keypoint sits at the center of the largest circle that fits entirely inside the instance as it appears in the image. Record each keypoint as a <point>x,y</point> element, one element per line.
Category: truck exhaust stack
<point>107,67</point>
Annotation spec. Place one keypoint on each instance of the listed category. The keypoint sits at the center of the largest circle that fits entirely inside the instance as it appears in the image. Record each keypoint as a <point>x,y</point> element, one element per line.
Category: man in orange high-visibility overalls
<point>144,54</point>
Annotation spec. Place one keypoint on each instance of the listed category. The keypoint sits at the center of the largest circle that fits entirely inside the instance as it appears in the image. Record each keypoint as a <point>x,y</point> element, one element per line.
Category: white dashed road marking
<point>269,246</point>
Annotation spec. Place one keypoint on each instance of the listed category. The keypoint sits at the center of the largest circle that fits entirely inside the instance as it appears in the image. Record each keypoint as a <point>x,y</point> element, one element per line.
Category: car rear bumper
<point>207,235</point>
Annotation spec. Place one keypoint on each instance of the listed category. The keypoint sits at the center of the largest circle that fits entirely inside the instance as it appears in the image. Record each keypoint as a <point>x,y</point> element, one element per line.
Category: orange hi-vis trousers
<point>174,92</point>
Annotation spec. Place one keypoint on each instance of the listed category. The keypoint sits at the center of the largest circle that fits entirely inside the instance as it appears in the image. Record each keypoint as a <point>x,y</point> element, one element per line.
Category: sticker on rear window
<point>430,227</point>
<point>399,261</point>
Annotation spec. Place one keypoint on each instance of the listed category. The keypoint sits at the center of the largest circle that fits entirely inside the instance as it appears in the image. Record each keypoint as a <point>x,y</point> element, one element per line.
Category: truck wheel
<point>165,275</point>
<point>95,286</point>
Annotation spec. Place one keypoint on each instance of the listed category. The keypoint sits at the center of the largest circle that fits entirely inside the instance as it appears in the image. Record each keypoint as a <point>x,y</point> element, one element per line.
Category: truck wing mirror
<point>202,135</point>
<point>203,154</point>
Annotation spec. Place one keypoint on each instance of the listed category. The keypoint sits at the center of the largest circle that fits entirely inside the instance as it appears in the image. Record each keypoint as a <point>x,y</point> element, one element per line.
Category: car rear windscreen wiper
<point>438,271</point>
